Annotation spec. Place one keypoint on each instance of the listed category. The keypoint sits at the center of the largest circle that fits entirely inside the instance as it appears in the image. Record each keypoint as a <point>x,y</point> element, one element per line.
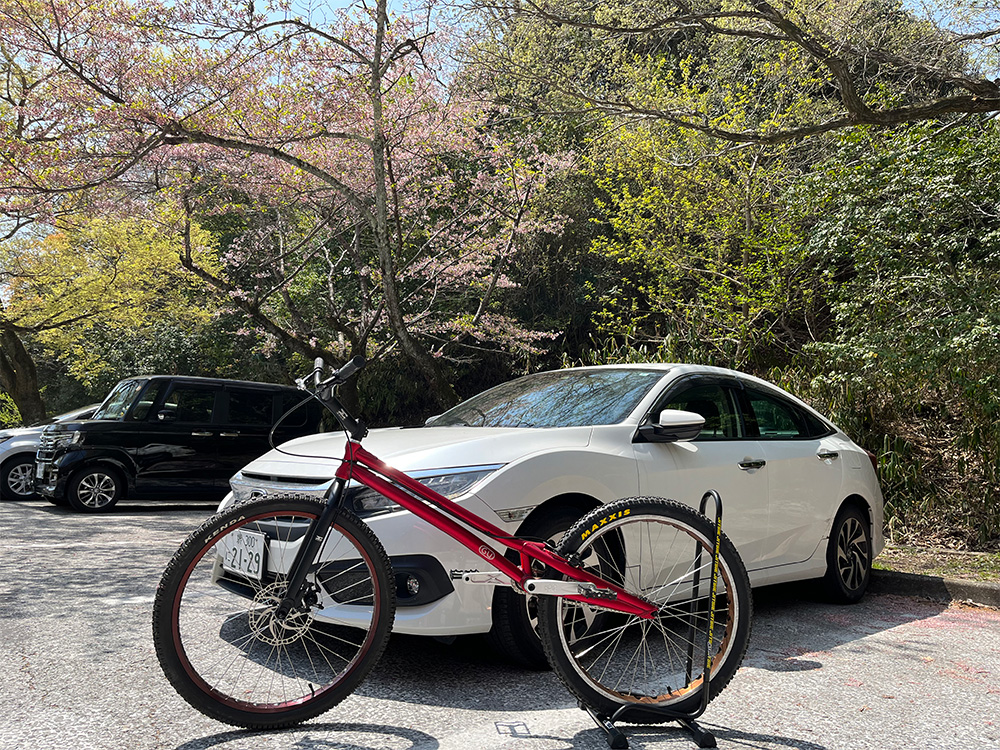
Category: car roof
<point>211,381</point>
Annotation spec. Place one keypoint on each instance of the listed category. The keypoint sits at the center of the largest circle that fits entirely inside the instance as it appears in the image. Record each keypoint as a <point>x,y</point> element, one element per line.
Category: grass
<point>937,561</point>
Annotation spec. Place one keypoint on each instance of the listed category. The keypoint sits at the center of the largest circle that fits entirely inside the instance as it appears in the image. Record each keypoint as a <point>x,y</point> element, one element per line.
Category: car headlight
<point>62,439</point>
<point>451,483</point>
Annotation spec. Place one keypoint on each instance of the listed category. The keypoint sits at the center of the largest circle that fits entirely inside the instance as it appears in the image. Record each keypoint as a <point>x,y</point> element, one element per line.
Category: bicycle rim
<point>217,635</point>
<point>662,554</point>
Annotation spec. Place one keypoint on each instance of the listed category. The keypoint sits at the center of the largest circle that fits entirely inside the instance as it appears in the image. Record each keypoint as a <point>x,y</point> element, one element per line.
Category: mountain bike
<point>275,610</point>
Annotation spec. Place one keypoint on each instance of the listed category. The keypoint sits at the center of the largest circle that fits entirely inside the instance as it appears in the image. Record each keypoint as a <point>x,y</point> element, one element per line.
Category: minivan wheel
<point>95,489</point>
<point>848,556</point>
<point>17,479</point>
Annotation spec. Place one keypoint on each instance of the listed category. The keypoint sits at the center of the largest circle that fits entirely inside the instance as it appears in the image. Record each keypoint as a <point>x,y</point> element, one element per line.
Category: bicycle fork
<point>313,540</point>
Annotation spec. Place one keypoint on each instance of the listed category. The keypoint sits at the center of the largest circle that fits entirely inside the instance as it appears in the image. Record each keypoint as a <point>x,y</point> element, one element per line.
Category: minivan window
<point>303,411</point>
<point>119,400</point>
<point>250,407</point>
<point>191,403</point>
<point>140,412</point>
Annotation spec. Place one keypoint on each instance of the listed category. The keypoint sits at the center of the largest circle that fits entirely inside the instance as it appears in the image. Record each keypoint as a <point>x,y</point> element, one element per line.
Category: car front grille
<point>248,486</point>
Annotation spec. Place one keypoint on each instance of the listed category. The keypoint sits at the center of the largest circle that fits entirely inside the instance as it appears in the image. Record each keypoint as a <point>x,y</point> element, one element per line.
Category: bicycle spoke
<point>660,552</point>
<point>238,658</point>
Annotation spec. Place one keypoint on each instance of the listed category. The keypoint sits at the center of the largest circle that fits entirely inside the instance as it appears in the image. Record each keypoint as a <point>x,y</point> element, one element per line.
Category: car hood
<point>19,431</point>
<point>413,449</point>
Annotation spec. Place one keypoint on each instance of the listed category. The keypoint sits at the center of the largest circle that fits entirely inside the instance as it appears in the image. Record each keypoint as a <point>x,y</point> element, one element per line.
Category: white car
<point>17,454</point>
<point>800,499</point>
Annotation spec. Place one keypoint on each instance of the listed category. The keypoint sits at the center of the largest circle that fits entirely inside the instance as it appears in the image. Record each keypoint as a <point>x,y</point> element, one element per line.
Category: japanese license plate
<point>39,471</point>
<point>243,553</point>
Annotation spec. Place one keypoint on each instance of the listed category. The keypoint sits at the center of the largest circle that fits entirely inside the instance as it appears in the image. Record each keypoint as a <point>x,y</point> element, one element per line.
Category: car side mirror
<point>674,426</point>
<point>166,415</point>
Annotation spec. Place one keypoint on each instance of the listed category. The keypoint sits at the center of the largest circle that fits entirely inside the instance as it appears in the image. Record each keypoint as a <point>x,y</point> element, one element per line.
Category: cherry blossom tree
<point>362,204</point>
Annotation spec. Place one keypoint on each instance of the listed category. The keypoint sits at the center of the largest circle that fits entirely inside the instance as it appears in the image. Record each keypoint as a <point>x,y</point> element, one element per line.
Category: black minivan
<point>166,437</point>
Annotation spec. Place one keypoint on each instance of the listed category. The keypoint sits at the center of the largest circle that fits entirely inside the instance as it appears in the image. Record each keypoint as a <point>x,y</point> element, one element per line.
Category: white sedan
<point>800,499</point>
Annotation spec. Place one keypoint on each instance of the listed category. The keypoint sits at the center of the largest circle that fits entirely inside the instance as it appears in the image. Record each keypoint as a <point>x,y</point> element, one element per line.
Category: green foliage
<point>707,256</point>
<point>865,284</point>
<point>908,235</point>
<point>9,415</point>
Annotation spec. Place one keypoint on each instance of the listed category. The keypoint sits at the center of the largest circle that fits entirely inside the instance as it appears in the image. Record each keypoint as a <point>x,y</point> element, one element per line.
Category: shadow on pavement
<point>313,741</point>
<point>791,625</point>
<point>791,632</point>
<point>639,736</point>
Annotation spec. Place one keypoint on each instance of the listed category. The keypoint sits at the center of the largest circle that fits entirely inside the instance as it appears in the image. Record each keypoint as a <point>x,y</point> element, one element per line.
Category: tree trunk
<point>19,378</point>
<point>426,363</point>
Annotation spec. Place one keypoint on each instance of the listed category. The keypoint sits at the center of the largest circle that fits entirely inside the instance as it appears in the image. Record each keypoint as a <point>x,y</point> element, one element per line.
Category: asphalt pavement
<point>75,606</point>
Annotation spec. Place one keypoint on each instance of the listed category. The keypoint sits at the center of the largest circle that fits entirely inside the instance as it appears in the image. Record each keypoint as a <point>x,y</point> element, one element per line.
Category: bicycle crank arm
<point>551,587</point>
<point>590,593</point>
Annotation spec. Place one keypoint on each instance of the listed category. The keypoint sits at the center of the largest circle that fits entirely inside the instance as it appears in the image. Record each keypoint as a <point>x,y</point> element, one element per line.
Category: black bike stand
<point>702,737</point>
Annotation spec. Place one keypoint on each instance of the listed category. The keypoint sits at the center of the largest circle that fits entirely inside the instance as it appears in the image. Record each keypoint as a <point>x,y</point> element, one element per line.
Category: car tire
<point>848,556</point>
<point>17,479</point>
<point>513,633</point>
<point>95,489</point>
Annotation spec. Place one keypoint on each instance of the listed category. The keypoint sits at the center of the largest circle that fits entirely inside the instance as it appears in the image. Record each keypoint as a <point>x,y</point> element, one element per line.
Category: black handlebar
<point>352,366</point>
<point>325,392</point>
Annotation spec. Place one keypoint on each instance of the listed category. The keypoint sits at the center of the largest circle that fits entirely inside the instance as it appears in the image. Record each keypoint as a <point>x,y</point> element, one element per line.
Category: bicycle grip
<point>353,365</point>
<point>318,370</point>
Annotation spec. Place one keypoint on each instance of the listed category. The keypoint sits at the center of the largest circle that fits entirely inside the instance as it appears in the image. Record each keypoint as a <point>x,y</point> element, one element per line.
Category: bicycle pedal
<point>484,579</point>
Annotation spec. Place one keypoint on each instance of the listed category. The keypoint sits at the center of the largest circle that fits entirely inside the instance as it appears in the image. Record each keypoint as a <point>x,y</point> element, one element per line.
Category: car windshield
<point>565,398</point>
<point>119,400</point>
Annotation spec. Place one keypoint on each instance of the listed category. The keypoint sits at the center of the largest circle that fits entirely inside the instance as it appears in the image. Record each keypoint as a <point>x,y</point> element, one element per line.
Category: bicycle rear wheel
<point>214,626</point>
<point>661,551</point>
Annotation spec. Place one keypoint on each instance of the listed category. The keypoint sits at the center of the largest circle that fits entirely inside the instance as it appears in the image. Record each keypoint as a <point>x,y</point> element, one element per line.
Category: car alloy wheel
<point>848,557</point>
<point>21,480</point>
<point>95,490</point>
<point>852,553</point>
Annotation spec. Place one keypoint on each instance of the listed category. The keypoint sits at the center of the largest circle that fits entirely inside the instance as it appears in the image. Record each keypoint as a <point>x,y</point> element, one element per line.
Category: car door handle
<point>201,434</point>
<point>750,464</point>
<point>229,434</point>
<point>827,455</point>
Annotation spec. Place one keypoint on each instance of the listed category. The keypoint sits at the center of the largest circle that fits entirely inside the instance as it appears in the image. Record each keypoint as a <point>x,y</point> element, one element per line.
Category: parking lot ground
<point>75,607</point>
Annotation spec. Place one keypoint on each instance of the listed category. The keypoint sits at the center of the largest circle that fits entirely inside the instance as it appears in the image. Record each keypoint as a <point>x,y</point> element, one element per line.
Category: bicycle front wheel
<point>660,551</point>
<point>219,640</point>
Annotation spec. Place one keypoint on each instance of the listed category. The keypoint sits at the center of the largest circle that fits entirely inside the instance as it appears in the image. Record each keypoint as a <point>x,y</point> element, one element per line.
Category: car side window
<point>191,403</point>
<point>250,407</point>
<point>778,419</point>
<point>715,404</point>
<point>141,411</point>
<point>298,417</point>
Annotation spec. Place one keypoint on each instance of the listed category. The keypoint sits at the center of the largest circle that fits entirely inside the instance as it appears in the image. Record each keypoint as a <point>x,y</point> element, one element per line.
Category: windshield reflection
<point>116,404</point>
<point>565,398</point>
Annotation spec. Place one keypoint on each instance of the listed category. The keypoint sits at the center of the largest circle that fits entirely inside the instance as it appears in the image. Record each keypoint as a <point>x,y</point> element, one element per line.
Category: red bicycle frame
<point>364,467</point>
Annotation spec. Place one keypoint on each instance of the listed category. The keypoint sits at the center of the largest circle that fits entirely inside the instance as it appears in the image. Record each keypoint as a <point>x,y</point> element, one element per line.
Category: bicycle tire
<point>650,547</point>
<point>214,629</point>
